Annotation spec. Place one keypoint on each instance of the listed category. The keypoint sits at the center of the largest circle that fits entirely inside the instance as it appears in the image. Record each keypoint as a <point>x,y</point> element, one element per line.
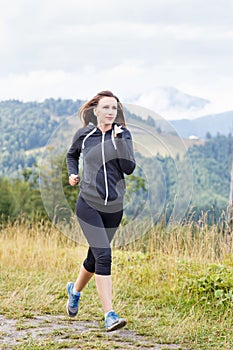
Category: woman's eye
<point>112,107</point>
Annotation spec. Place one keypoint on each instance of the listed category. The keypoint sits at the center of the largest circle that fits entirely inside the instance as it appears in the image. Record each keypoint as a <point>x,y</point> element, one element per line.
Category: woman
<point>107,150</point>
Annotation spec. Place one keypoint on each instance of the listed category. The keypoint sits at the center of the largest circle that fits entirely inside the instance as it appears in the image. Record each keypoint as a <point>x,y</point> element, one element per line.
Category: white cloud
<point>73,48</point>
<point>38,85</point>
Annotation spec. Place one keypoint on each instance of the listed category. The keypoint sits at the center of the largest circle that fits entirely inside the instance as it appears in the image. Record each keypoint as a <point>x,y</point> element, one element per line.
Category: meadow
<point>174,286</point>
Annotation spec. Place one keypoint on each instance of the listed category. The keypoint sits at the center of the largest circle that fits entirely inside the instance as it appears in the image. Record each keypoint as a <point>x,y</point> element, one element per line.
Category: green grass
<point>174,287</point>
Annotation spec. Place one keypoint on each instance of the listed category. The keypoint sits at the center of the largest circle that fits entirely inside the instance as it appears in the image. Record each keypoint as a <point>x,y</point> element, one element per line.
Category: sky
<point>75,48</point>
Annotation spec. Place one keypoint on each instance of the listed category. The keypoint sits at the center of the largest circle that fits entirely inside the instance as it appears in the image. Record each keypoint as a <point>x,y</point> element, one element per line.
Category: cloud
<point>40,84</point>
<point>73,48</point>
<point>172,103</point>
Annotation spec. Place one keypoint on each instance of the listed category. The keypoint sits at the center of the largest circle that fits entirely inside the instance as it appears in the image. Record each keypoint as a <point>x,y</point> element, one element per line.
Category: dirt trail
<point>72,334</point>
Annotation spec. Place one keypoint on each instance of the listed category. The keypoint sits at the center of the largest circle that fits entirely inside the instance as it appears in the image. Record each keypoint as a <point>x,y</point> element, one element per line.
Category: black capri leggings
<point>99,228</point>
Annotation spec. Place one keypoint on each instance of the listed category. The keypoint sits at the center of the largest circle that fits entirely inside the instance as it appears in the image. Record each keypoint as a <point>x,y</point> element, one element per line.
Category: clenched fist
<point>73,179</point>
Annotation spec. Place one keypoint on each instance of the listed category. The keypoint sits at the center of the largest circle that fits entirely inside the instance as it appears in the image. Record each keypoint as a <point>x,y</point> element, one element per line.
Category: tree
<point>6,200</point>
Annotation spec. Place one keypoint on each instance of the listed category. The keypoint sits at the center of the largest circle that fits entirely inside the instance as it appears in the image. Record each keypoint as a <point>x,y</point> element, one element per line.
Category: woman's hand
<point>73,179</point>
<point>117,130</point>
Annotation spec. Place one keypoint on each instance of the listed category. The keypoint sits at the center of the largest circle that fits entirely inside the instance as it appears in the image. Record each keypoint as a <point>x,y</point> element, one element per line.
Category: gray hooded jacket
<point>105,161</point>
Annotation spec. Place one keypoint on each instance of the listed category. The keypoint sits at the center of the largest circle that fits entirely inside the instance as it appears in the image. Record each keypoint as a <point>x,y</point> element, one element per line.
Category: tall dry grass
<point>40,244</point>
<point>161,279</point>
<point>192,241</point>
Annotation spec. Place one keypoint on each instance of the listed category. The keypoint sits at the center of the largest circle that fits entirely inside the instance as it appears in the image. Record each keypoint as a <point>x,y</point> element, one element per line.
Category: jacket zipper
<point>105,171</point>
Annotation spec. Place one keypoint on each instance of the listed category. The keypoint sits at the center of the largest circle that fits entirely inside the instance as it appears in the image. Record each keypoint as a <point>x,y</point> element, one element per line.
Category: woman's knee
<point>89,262</point>
<point>103,261</point>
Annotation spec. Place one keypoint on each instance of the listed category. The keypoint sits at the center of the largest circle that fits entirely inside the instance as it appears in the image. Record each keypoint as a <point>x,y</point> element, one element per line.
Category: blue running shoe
<point>73,300</point>
<point>113,322</point>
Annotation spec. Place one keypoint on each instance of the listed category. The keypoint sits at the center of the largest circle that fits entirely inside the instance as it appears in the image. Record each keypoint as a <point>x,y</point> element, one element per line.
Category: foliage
<point>214,284</point>
<point>211,165</point>
<point>6,199</point>
<point>27,126</point>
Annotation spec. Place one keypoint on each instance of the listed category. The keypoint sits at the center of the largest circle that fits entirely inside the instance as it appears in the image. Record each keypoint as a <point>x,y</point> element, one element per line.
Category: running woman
<point>106,146</point>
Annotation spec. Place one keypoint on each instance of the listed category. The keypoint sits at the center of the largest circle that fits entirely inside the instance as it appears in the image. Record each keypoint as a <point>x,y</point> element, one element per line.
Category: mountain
<point>216,123</point>
<point>172,103</point>
<point>177,111</point>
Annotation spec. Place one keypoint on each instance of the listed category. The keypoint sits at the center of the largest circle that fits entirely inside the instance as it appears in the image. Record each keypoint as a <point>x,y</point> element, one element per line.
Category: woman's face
<point>106,111</point>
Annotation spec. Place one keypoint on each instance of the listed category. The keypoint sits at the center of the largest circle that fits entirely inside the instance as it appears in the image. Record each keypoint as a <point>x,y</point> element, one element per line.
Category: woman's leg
<point>104,288</point>
<point>111,222</point>
<point>83,278</point>
<point>74,289</point>
<point>86,271</point>
<point>95,226</point>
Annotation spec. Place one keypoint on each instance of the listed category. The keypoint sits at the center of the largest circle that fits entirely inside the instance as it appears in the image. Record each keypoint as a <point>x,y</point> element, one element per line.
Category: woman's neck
<point>104,127</point>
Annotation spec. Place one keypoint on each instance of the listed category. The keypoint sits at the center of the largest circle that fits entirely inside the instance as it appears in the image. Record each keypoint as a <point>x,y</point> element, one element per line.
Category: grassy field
<point>174,287</point>
<point>152,144</point>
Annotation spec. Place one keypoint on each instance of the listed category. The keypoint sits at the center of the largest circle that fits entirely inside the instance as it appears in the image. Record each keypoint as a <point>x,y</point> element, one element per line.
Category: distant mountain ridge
<point>172,103</point>
<point>215,123</point>
<point>188,114</point>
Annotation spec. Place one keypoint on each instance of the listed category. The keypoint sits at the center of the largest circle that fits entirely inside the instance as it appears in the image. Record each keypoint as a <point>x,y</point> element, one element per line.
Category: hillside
<point>26,128</point>
<point>216,123</point>
<point>170,170</point>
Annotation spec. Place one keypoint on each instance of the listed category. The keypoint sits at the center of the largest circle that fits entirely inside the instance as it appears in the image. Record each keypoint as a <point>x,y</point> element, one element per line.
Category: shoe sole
<point>67,304</point>
<point>121,323</point>
<point>67,310</point>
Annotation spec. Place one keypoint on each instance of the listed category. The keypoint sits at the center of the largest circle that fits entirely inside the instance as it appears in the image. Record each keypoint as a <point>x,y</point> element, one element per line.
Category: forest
<point>25,131</point>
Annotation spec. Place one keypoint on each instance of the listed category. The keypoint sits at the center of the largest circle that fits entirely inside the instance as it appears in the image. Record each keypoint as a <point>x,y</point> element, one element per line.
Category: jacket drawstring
<point>86,137</point>
<point>113,139</point>
<point>105,170</point>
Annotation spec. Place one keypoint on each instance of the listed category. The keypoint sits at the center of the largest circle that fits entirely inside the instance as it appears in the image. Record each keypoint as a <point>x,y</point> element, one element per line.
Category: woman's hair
<point>86,111</point>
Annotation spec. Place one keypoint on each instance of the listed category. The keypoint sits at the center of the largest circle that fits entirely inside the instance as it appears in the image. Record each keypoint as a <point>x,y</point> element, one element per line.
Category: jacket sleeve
<point>73,154</point>
<point>125,152</point>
